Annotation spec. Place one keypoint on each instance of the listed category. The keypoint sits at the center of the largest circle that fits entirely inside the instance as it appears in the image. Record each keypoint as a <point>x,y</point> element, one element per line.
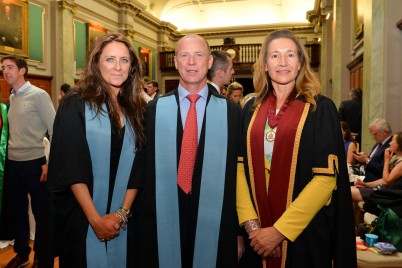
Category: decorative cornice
<point>67,5</point>
<point>133,5</point>
<point>250,30</point>
<point>130,34</point>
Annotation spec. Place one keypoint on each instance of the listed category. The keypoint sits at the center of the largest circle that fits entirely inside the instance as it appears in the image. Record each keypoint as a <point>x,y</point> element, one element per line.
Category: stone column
<point>382,75</point>
<point>62,44</point>
<point>342,47</point>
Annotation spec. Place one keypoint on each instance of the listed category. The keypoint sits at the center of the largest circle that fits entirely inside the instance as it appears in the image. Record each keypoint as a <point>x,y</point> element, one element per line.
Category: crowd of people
<point>198,177</point>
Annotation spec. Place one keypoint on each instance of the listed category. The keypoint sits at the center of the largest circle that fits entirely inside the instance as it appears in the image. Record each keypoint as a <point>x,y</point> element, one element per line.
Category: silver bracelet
<point>251,225</point>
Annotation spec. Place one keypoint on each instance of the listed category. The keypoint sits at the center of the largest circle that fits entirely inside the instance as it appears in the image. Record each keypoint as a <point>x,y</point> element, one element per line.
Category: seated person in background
<point>374,162</point>
<point>392,171</point>
<point>350,149</point>
<point>235,92</point>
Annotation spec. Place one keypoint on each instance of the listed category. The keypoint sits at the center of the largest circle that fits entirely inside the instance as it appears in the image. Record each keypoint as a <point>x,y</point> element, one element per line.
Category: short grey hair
<point>381,124</point>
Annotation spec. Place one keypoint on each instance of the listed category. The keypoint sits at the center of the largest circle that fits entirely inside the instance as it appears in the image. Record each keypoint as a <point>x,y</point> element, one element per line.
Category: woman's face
<point>282,62</point>
<point>114,64</point>
<point>236,96</point>
<point>394,144</point>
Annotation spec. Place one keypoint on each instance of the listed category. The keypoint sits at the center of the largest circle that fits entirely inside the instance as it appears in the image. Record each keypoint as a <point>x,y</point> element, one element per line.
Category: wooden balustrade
<point>244,56</point>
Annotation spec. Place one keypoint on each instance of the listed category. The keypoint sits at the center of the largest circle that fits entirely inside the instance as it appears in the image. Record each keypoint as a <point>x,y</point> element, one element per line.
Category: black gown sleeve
<point>69,160</point>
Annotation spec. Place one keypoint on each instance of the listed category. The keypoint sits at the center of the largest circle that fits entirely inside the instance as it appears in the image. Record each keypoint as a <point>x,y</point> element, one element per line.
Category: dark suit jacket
<point>145,213</point>
<point>350,111</point>
<point>376,165</point>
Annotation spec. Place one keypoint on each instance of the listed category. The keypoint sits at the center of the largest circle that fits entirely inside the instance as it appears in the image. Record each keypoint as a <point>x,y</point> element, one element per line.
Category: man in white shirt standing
<point>221,70</point>
<point>31,117</point>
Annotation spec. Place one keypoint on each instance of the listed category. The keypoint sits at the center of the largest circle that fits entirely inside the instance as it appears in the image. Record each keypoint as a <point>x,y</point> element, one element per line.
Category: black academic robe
<point>66,224</point>
<point>145,214</point>
<point>330,234</point>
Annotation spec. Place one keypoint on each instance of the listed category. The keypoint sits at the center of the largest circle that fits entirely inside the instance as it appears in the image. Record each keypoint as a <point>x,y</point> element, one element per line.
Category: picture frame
<point>14,27</point>
<point>94,33</point>
<point>358,16</point>
<point>146,58</point>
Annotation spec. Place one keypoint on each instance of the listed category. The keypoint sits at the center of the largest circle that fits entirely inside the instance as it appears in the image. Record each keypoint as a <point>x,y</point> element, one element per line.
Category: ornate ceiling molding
<point>68,5</point>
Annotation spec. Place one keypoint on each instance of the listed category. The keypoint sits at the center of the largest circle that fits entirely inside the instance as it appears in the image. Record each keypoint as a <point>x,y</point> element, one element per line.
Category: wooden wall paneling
<point>42,81</point>
<point>171,85</point>
<point>356,72</point>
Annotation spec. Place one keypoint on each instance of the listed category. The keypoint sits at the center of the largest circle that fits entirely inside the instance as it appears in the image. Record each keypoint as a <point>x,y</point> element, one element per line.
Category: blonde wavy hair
<point>307,84</point>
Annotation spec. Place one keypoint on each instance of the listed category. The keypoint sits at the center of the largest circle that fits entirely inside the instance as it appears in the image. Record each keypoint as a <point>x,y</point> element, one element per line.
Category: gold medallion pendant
<point>270,136</point>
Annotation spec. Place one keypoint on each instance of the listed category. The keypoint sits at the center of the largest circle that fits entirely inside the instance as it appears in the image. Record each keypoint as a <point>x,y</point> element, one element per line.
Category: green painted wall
<point>35,32</point>
<point>80,43</point>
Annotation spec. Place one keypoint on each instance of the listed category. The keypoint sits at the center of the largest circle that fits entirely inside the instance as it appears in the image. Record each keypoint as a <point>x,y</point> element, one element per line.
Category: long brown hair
<point>307,84</point>
<point>95,91</point>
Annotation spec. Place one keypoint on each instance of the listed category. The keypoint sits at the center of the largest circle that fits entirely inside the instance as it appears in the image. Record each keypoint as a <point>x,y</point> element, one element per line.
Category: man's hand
<point>43,177</point>
<point>361,157</point>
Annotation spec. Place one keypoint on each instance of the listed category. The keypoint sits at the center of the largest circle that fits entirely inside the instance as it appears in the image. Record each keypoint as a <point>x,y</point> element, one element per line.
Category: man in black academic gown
<point>175,226</point>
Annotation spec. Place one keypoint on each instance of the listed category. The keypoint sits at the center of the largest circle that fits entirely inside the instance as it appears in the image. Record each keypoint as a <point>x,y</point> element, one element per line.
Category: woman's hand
<point>266,241</point>
<point>240,247</point>
<point>106,227</point>
<point>360,184</point>
<point>387,155</point>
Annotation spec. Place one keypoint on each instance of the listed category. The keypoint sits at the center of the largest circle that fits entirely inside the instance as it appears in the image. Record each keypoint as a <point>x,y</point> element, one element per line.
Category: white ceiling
<point>200,14</point>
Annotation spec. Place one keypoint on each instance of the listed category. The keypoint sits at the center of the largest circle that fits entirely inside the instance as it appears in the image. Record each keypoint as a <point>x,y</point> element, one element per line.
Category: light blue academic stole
<point>98,134</point>
<point>212,184</point>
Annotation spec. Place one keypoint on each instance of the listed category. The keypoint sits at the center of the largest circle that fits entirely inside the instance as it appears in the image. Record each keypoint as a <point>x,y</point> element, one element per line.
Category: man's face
<point>227,74</point>
<point>378,135</point>
<point>151,89</point>
<point>192,61</point>
<point>11,73</point>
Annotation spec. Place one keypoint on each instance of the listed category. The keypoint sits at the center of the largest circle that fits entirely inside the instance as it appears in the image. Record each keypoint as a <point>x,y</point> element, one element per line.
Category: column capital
<point>68,5</point>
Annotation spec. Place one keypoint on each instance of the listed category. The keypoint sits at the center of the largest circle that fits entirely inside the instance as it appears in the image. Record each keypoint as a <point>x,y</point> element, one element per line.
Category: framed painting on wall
<point>146,58</point>
<point>94,33</point>
<point>14,27</point>
<point>358,16</point>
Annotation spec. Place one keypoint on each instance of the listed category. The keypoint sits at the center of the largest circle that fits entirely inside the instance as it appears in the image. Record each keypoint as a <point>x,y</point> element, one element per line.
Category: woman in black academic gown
<point>97,132</point>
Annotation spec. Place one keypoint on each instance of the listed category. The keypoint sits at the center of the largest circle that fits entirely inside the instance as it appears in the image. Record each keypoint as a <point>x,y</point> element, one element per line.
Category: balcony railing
<point>244,56</point>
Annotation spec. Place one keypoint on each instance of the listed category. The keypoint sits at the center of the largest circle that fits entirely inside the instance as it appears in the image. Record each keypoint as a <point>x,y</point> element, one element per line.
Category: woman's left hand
<point>266,240</point>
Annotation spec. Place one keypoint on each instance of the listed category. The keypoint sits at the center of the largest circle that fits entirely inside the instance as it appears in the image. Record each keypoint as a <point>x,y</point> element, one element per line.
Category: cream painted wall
<point>393,69</point>
<point>382,79</point>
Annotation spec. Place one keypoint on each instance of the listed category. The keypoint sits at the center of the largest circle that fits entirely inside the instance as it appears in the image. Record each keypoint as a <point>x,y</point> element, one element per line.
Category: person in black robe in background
<point>192,61</point>
<point>109,105</point>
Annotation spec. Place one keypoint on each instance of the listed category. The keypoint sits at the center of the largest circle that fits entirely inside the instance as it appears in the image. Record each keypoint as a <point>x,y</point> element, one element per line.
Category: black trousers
<point>24,178</point>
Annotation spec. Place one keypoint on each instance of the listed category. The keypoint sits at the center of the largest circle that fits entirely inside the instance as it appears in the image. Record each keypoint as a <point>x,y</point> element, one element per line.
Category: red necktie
<point>189,147</point>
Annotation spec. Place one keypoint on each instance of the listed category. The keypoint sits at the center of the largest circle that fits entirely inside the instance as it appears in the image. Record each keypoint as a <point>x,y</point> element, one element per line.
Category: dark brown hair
<point>95,91</point>
<point>20,62</point>
<point>346,128</point>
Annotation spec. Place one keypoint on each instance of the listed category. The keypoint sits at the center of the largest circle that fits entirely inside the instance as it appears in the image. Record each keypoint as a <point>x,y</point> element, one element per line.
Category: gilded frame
<point>94,33</point>
<point>146,58</point>
<point>14,27</point>
<point>358,16</point>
